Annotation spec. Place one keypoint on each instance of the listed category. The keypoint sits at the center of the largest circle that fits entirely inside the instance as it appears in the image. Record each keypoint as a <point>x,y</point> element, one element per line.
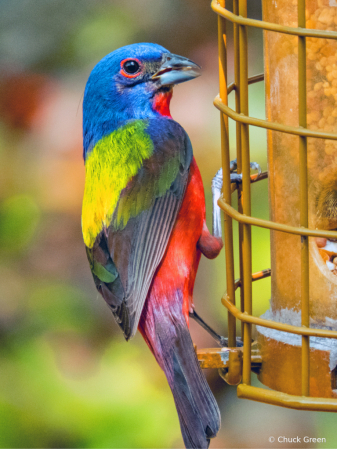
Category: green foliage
<point>19,217</point>
<point>58,307</point>
<point>326,428</point>
<point>59,389</point>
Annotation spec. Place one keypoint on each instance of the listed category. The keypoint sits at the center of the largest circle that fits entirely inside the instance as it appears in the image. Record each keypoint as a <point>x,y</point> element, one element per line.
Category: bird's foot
<point>235,177</point>
<point>216,191</point>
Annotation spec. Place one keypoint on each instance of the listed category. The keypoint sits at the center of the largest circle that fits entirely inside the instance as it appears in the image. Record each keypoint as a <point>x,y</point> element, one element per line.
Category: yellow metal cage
<point>243,215</point>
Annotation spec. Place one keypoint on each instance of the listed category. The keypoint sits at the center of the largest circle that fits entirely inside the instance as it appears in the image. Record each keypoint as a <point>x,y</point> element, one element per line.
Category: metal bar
<point>253,178</point>
<point>270,26</point>
<point>309,332</point>
<point>228,224</point>
<point>219,358</point>
<point>255,277</point>
<point>237,83</point>
<point>251,80</point>
<point>241,218</point>
<point>286,400</point>
<point>242,118</point>
<point>261,274</point>
<point>238,146</point>
<point>246,201</point>
<point>304,206</point>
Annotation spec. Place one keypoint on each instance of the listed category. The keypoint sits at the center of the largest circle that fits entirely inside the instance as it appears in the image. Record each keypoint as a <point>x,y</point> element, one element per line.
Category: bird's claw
<point>235,177</point>
<point>233,165</point>
<point>256,166</point>
<point>216,191</point>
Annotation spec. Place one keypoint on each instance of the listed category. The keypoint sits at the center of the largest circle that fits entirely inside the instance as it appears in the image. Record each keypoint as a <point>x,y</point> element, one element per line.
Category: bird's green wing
<point>131,238</point>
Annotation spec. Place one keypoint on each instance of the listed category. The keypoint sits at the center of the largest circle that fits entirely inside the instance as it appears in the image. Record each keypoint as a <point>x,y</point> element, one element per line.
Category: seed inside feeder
<point>328,253</point>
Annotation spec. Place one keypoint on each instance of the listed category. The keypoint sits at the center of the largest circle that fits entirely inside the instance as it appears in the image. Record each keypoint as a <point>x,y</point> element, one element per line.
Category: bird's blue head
<point>133,82</point>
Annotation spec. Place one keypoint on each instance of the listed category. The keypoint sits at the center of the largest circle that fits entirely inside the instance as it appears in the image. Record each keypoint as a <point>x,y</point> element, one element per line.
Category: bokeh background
<point>67,377</point>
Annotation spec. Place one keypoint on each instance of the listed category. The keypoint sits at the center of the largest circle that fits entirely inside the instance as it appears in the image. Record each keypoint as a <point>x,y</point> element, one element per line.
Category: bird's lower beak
<point>176,69</point>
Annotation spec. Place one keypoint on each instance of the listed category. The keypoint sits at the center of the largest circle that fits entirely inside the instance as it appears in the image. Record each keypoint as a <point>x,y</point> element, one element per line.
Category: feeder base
<point>283,372</point>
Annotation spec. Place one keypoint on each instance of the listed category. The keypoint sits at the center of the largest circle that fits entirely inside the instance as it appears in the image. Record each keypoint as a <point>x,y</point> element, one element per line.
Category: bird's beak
<point>176,69</point>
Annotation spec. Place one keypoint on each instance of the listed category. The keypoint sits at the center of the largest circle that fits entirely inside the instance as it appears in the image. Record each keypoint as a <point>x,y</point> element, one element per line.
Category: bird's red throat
<point>161,103</point>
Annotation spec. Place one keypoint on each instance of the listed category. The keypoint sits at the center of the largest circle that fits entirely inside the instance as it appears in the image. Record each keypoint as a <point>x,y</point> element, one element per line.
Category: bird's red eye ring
<point>131,67</point>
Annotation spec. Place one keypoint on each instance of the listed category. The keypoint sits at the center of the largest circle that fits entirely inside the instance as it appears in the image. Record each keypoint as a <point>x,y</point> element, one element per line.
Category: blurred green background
<point>67,377</point>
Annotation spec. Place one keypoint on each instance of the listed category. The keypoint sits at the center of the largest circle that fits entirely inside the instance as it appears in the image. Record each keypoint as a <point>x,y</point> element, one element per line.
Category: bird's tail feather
<point>171,343</point>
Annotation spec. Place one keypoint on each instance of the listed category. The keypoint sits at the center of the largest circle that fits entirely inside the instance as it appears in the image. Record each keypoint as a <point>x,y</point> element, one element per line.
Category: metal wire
<point>304,206</point>
<point>243,215</point>
<point>242,118</point>
<point>226,175</point>
<point>246,194</point>
<point>232,17</point>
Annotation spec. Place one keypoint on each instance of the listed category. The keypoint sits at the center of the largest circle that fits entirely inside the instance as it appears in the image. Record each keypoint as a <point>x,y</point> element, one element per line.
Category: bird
<point>143,217</point>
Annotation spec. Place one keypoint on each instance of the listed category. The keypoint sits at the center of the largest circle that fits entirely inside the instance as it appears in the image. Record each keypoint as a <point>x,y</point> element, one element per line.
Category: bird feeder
<point>295,354</point>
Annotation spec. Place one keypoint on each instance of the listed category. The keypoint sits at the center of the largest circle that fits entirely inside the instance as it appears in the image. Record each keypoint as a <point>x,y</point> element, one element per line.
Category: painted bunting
<point>143,217</point>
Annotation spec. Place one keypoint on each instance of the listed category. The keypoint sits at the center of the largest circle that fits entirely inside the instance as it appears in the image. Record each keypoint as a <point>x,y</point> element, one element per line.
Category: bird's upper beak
<point>176,69</point>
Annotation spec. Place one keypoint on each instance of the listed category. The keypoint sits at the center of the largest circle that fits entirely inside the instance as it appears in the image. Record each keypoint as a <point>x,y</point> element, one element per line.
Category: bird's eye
<point>131,67</point>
